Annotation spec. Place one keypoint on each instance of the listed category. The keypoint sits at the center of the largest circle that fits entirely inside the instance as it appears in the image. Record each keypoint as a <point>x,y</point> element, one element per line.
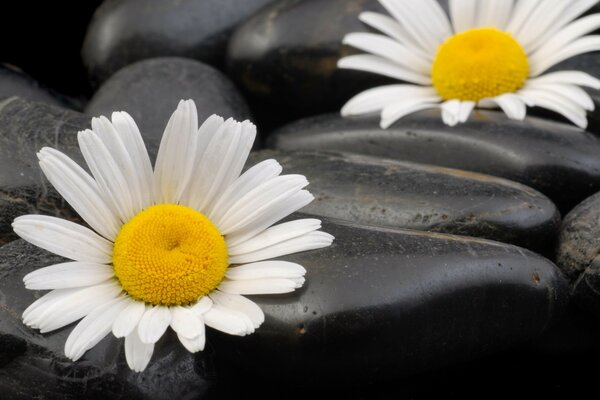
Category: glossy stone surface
<point>14,82</point>
<point>578,252</point>
<point>125,31</point>
<point>285,56</point>
<point>150,90</point>
<point>559,160</point>
<point>390,193</point>
<point>26,127</point>
<point>33,365</point>
<point>386,303</point>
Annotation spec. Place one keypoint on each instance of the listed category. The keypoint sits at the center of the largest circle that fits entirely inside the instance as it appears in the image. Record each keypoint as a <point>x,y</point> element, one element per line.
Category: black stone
<point>150,90</point>
<point>125,31</point>
<point>285,56</point>
<point>578,250</point>
<point>26,127</point>
<point>33,365</point>
<point>389,303</point>
<point>559,160</point>
<point>14,82</point>
<point>390,193</point>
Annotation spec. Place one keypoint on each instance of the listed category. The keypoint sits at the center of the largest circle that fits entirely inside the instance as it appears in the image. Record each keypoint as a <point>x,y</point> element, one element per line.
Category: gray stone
<point>33,365</point>
<point>559,160</point>
<point>385,303</point>
<point>150,90</point>
<point>390,193</point>
<point>125,31</point>
<point>14,82</point>
<point>578,252</point>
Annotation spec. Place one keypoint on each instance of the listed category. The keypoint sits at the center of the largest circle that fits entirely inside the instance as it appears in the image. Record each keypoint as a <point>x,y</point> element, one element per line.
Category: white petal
<point>463,14</point>
<point>466,107</point>
<point>583,45</point>
<point>63,306</point>
<point>393,29</point>
<point>93,328</point>
<point>257,286</point>
<point>567,35</point>
<point>419,20</point>
<point>195,344</point>
<point>381,66</point>
<point>134,144</point>
<point>253,177</point>
<point>540,21</point>
<point>108,174</point>
<point>275,234</point>
<point>202,306</point>
<point>377,98</point>
<point>575,9</point>
<point>64,238</point>
<point>220,164</point>
<point>68,275</point>
<point>409,105</point>
<point>224,320</point>
<point>571,92</point>
<point>521,14</point>
<point>259,201</point>
<point>390,49</point>
<point>512,105</point>
<point>266,269</point>
<point>568,77</point>
<point>309,241</point>
<point>128,319</point>
<point>240,304</point>
<point>137,353</point>
<point>80,190</point>
<point>186,323</point>
<point>451,112</point>
<point>154,323</point>
<point>276,213</point>
<point>494,13</point>
<point>556,103</point>
<point>177,153</point>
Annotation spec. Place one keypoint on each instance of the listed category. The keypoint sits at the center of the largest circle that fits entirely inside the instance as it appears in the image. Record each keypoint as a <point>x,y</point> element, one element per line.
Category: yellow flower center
<point>479,63</point>
<point>169,254</point>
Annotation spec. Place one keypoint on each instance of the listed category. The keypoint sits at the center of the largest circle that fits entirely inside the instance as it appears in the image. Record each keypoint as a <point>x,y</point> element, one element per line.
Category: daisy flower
<point>162,242</point>
<point>487,53</point>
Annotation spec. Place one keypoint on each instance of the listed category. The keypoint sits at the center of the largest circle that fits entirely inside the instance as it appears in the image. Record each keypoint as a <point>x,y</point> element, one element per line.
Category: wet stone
<point>14,82</point>
<point>150,90</point>
<point>285,56</point>
<point>385,303</point>
<point>559,160</point>
<point>578,252</point>
<point>390,193</point>
<point>33,365</point>
<point>125,31</point>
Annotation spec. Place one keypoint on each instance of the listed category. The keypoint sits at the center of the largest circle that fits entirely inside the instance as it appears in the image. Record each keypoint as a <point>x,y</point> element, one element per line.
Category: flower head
<point>488,53</point>
<point>162,241</point>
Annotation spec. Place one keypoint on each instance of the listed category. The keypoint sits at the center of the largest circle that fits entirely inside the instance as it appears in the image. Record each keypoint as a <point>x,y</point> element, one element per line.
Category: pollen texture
<point>479,63</point>
<point>169,255</point>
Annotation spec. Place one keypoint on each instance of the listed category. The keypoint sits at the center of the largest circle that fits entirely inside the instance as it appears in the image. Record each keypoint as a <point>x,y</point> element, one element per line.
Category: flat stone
<point>33,365</point>
<point>14,82</point>
<point>123,32</point>
<point>390,193</point>
<point>150,90</point>
<point>578,252</point>
<point>559,160</point>
<point>385,303</point>
<point>285,56</point>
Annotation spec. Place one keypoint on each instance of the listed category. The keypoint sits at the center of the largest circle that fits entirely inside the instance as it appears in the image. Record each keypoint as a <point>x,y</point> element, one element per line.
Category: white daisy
<point>488,53</point>
<point>162,243</point>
